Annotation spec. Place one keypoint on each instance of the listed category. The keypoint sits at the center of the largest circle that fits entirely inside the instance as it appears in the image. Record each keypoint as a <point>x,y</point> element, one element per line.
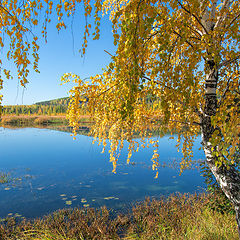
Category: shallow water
<point>49,170</point>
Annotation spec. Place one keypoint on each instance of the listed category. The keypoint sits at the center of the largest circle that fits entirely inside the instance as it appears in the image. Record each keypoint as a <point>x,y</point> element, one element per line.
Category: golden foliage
<point>17,31</point>
<point>157,76</point>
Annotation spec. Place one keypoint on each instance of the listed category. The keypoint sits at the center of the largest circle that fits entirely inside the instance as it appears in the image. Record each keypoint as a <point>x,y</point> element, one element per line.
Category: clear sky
<point>58,56</point>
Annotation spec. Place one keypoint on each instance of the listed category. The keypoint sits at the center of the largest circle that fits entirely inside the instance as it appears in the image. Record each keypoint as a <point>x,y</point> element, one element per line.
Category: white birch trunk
<point>227,178</point>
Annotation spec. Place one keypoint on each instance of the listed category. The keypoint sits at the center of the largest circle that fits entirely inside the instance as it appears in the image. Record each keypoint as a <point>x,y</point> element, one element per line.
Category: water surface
<point>50,171</point>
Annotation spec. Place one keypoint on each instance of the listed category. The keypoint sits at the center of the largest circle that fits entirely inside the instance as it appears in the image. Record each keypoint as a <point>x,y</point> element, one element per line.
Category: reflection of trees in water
<point>173,163</point>
<point>83,130</point>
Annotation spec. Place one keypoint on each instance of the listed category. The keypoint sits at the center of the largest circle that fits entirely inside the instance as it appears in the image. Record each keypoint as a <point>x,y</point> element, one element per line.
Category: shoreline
<point>179,216</point>
<point>38,120</point>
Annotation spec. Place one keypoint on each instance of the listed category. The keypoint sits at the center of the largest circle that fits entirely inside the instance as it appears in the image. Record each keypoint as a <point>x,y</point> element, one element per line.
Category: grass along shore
<point>36,120</point>
<point>176,217</point>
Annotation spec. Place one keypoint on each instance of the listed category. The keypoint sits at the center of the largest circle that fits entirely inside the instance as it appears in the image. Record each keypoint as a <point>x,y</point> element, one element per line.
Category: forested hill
<point>51,107</point>
<point>59,101</point>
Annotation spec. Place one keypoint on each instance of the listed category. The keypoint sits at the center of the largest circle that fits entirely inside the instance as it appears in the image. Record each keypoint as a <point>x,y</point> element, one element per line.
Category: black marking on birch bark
<point>210,91</point>
<point>210,94</point>
<point>211,64</point>
<point>210,104</point>
<point>207,129</point>
<point>210,85</point>
<point>210,81</point>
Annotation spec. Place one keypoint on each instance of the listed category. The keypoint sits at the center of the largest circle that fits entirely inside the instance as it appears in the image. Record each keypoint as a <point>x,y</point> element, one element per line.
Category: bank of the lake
<point>177,217</point>
<point>38,120</point>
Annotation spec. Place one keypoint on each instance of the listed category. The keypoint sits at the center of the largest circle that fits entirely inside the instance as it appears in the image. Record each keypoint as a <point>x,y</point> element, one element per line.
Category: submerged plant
<point>5,177</point>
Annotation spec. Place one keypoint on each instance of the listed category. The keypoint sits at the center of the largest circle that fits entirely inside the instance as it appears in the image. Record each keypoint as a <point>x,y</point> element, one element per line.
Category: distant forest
<point>51,107</point>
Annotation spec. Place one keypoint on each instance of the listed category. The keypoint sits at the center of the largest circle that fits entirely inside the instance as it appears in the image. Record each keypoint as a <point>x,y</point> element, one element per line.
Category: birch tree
<point>183,58</point>
<point>176,68</point>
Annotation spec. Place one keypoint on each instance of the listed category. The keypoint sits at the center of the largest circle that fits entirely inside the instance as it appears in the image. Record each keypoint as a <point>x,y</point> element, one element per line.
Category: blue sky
<point>58,56</point>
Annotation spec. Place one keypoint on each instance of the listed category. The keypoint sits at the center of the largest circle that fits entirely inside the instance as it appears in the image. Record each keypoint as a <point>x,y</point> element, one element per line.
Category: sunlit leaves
<point>157,76</point>
<point>19,20</point>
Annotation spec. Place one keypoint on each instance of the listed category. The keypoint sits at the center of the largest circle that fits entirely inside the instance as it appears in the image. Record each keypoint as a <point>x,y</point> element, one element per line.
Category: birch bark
<point>228,178</point>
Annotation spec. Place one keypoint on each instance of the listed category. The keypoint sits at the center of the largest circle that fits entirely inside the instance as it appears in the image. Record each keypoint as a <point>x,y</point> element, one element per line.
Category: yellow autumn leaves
<point>157,76</point>
<point>17,33</point>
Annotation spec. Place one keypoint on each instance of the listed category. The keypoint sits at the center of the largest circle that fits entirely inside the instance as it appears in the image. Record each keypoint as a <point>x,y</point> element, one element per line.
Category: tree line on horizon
<point>34,110</point>
<point>51,107</point>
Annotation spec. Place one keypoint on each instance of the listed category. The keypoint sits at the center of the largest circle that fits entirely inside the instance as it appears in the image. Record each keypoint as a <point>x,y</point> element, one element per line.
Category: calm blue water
<point>52,171</point>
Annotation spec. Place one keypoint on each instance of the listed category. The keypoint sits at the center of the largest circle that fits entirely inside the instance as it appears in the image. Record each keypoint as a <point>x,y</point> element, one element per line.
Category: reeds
<point>32,120</point>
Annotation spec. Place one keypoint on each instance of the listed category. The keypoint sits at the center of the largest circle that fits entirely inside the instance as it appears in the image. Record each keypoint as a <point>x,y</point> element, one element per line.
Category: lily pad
<point>108,198</point>
<point>69,202</point>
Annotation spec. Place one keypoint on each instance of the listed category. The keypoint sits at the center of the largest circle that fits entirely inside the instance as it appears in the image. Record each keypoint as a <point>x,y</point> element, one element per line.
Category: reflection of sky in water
<point>58,172</point>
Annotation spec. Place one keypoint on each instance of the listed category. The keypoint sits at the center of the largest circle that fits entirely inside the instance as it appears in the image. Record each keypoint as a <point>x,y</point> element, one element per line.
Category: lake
<point>49,170</point>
